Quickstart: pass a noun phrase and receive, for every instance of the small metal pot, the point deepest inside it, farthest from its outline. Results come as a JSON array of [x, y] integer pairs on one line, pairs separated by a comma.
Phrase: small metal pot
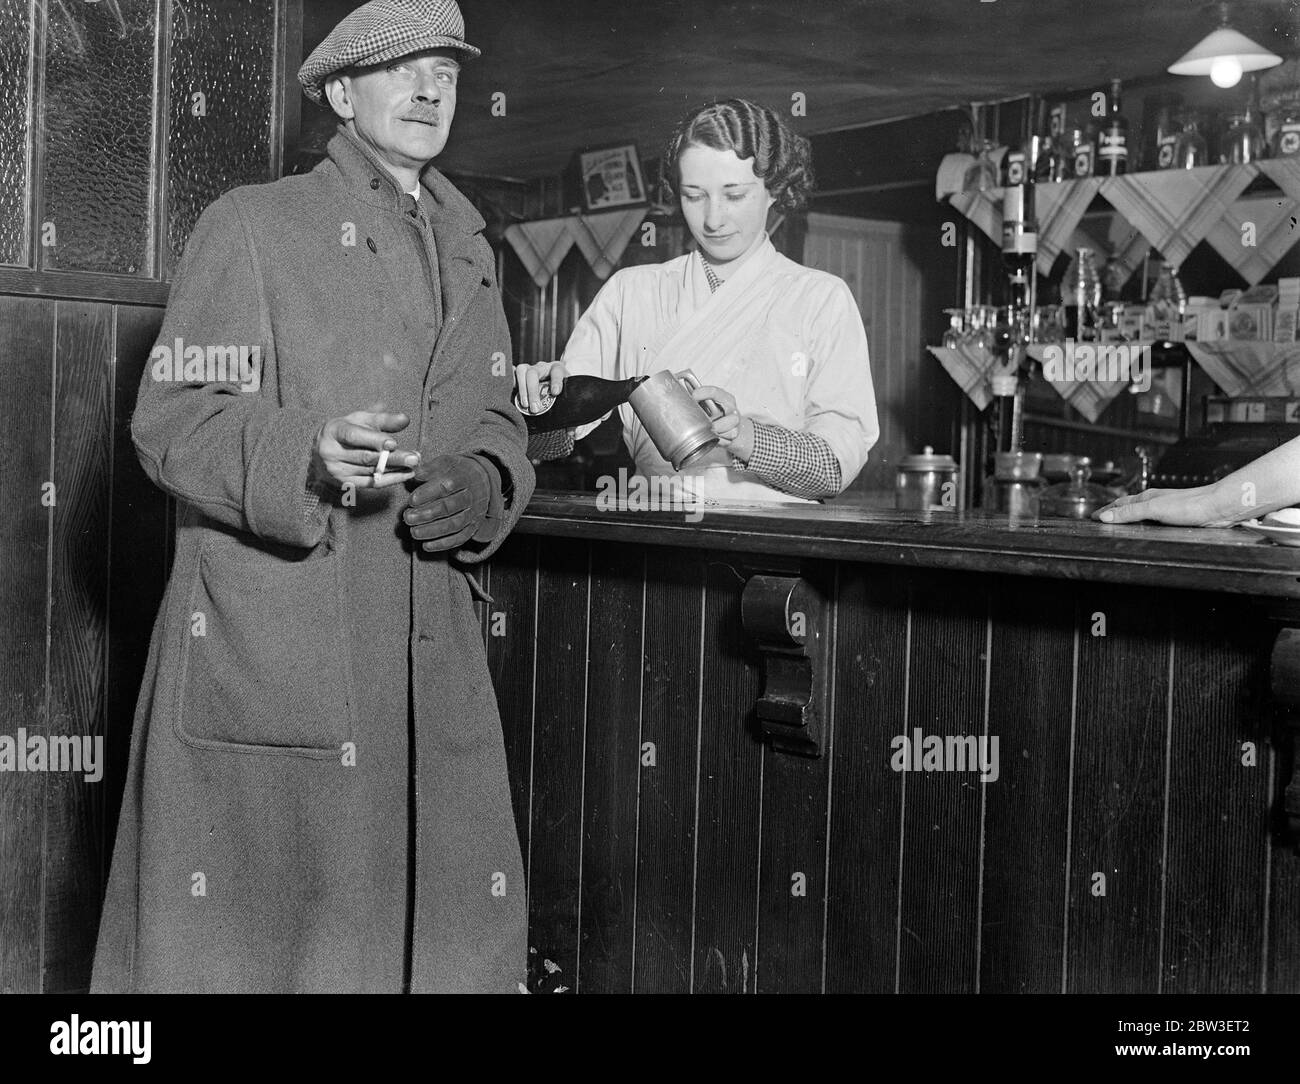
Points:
[[926, 481]]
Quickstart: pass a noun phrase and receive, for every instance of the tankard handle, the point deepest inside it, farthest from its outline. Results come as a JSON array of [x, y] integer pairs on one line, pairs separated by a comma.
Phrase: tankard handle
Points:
[[711, 408]]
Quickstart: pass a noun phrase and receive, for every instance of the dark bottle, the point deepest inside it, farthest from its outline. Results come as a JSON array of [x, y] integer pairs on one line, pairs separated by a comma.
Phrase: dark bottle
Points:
[[583, 400], [1049, 162], [1112, 138]]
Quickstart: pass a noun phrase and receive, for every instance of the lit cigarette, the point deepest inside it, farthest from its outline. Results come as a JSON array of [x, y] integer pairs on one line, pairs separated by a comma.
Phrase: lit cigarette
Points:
[[379, 467]]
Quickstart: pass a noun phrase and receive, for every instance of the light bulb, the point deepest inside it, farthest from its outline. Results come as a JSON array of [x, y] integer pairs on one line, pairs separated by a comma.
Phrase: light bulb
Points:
[[1225, 72]]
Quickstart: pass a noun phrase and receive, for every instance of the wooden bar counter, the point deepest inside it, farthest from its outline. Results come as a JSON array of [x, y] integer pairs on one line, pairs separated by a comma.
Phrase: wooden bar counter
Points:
[[714, 799]]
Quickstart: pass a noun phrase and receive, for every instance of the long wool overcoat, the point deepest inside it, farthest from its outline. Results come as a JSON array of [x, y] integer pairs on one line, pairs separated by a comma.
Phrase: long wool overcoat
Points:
[[317, 796]]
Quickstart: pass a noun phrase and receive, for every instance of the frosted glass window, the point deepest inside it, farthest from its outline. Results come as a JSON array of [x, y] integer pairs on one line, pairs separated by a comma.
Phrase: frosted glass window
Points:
[[99, 124], [222, 95], [15, 128]]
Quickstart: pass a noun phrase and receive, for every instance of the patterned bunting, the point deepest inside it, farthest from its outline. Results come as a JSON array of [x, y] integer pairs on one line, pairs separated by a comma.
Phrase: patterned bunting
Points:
[[1089, 397], [602, 238], [1175, 209], [1060, 208], [1271, 235], [973, 370], [1250, 368], [541, 246]]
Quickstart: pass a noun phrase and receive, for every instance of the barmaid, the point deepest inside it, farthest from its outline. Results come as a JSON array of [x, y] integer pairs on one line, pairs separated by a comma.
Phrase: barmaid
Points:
[[778, 346]]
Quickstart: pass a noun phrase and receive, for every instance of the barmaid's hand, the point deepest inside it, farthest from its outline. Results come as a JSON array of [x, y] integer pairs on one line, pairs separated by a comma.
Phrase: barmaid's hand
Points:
[[528, 381], [734, 431]]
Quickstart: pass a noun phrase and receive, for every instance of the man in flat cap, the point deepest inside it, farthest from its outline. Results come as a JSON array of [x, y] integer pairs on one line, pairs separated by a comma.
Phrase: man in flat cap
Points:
[[317, 798]]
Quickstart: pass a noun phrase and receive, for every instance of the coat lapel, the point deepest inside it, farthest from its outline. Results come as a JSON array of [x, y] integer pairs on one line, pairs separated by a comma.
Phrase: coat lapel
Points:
[[463, 264]]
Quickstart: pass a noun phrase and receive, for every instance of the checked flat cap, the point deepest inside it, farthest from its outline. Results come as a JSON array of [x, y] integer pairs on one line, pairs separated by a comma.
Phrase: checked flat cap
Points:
[[383, 30]]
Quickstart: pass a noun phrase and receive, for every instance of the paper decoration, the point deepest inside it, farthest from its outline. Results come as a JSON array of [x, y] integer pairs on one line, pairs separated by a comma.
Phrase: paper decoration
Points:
[[1249, 368], [543, 244], [1059, 208], [1089, 397], [1175, 209], [972, 368], [602, 238], [1263, 220]]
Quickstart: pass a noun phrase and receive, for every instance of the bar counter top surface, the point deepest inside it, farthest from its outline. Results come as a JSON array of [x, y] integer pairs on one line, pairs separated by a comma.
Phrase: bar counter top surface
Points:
[[1211, 559]]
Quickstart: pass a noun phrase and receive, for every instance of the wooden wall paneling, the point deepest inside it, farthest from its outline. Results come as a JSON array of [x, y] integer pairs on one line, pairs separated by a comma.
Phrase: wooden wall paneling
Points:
[[138, 567], [792, 855], [866, 794], [670, 719], [74, 809], [1216, 867], [555, 840], [939, 905], [612, 757], [26, 398], [511, 642], [726, 899], [1118, 791], [1282, 965], [1026, 821]]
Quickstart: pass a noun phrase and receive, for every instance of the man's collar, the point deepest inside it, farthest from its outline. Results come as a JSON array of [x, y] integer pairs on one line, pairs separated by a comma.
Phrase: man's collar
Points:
[[369, 181]]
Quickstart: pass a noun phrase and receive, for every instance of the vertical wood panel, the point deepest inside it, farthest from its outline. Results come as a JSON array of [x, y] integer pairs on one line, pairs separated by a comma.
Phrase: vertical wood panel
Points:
[[513, 586], [1283, 962], [671, 720], [27, 346], [1217, 860], [1121, 732], [940, 889], [866, 799], [74, 811], [137, 550], [555, 847], [1026, 828], [792, 882], [730, 762], [612, 755]]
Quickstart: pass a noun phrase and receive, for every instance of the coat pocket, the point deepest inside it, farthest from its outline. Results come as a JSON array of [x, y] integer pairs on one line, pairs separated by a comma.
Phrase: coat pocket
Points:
[[266, 665]]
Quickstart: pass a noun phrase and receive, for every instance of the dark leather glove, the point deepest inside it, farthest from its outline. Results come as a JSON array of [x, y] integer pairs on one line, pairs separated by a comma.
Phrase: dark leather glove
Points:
[[451, 505]]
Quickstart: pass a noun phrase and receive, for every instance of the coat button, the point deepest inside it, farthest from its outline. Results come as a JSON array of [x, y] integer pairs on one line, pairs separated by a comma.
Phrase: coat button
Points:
[[413, 213], [374, 184]]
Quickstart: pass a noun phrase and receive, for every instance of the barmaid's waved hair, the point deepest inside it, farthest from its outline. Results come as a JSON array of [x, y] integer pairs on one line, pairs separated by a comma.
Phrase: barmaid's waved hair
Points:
[[782, 158]]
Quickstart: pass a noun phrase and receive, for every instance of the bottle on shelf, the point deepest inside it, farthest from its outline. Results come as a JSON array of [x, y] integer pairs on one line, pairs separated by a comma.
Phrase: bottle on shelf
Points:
[[1166, 131], [1083, 150], [584, 399], [1189, 149], [1286, 138], [1112, 138], [1085, 293], [1050, 163], [1244, 142], [1168, 300]]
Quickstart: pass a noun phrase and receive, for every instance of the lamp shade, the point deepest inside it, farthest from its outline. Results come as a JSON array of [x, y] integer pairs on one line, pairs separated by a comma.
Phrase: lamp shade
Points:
[[1224, 42]]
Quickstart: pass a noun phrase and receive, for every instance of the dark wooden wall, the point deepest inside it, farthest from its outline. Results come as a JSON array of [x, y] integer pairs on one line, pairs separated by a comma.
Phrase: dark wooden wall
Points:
[[80, 583], [1119, 754]]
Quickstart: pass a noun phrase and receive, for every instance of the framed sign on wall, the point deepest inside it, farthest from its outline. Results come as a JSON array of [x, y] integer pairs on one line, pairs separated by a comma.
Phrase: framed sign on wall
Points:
[[610, 177]]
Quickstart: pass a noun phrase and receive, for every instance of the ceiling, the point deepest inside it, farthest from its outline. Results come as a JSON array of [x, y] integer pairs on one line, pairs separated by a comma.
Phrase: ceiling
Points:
[[588, 72]]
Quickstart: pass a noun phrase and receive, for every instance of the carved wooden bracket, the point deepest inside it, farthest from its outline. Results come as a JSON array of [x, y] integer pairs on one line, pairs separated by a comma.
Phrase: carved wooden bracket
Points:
[[783, 615], [1284, 678]]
